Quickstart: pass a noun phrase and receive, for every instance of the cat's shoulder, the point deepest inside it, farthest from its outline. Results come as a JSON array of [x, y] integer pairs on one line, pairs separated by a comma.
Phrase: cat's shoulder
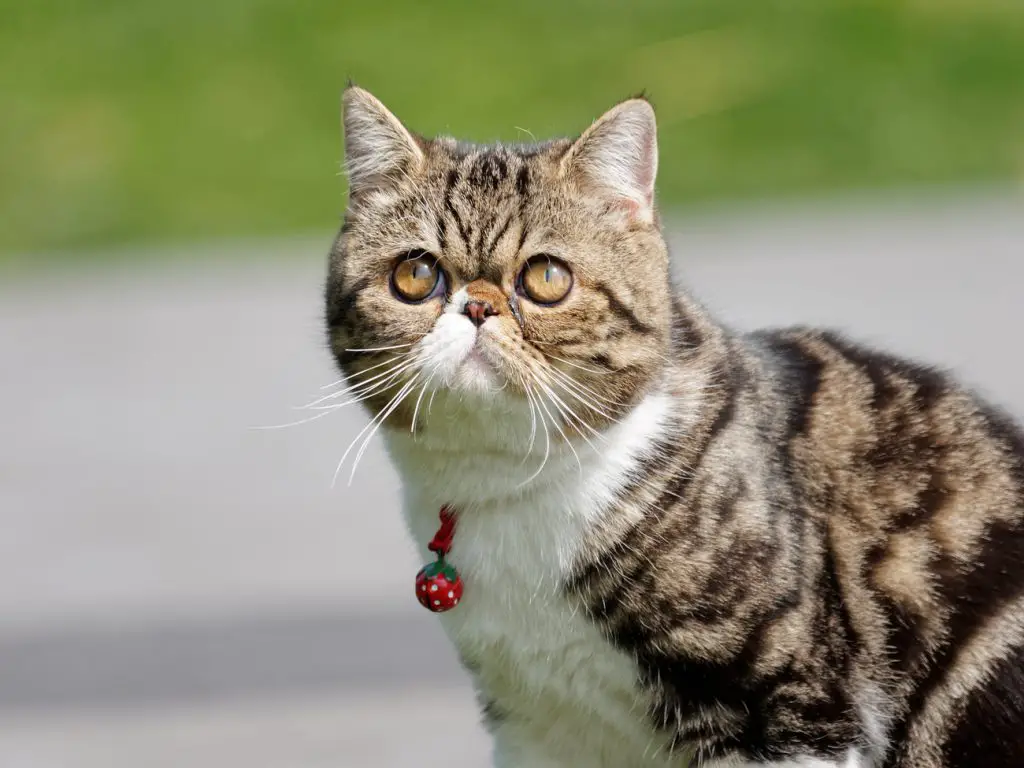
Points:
[[816, 360], [800, 345]]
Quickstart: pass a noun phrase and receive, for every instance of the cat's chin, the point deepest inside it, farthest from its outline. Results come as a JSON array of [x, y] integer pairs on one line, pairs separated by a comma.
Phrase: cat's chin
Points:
[[476, 376]]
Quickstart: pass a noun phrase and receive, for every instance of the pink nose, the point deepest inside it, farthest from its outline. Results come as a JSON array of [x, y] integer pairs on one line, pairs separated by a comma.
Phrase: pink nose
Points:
[[478, 311]]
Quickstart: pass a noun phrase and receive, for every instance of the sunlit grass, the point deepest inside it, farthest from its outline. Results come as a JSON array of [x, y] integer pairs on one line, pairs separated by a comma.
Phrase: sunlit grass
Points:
[[125, 121]]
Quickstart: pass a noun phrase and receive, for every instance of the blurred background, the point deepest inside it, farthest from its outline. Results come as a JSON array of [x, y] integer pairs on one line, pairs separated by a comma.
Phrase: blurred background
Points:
[[179, 588]]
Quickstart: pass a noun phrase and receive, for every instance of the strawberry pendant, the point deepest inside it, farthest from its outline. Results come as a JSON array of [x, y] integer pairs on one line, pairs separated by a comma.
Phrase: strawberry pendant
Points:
[[438, 584]]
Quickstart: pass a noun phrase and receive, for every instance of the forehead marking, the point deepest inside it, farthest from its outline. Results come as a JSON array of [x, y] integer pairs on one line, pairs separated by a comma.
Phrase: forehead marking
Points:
[[489, 252], [449, 206], [495, 184], [523, 180], [489, 170]]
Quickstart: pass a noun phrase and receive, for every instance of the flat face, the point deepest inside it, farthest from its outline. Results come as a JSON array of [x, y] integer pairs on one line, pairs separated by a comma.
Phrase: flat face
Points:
[[487, 270]]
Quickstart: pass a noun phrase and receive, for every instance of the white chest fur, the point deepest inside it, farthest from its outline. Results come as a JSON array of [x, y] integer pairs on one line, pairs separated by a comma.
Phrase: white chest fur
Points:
[[539, 659]]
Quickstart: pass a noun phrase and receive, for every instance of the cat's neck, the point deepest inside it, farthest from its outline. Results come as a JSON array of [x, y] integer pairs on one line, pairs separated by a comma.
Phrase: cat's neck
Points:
[[480, 454]]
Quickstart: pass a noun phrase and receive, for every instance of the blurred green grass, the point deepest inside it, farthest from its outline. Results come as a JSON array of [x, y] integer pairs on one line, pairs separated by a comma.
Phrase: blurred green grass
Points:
[[127, 121]]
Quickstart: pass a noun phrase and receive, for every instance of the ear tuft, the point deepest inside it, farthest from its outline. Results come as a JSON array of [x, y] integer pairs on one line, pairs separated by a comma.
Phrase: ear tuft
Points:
[[617, 157], [377, 145]]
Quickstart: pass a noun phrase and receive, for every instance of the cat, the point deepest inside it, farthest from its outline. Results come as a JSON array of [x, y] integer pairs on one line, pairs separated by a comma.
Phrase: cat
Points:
[[680, 544]]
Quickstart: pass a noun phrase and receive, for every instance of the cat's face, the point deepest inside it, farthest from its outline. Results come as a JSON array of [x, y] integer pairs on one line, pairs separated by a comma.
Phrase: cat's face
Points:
[[534, 274]]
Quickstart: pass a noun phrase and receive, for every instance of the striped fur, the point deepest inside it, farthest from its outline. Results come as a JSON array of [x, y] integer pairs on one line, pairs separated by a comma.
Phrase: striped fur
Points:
[[779, 548]]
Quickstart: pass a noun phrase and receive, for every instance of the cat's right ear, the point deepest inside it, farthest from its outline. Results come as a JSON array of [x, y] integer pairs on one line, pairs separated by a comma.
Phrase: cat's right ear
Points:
[[378, 148], [617, 158]]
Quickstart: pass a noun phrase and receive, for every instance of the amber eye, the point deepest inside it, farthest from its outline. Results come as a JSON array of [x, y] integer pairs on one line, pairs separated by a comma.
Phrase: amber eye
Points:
[[416, 277], [545, 280]]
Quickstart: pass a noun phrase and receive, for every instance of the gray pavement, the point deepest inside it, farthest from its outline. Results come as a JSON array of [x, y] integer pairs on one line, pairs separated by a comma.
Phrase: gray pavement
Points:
[[179, 589]]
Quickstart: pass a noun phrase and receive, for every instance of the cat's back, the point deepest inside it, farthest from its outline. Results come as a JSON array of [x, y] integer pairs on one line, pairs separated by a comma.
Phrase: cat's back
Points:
[[904, 443], [918, 486]]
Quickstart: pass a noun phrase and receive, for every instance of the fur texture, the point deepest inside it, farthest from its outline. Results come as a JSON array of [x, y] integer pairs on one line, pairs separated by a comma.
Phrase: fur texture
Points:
[[680, 544]]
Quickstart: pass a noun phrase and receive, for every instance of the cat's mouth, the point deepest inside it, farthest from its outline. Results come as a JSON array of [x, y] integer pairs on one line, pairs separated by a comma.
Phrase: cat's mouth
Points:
[[476, 356], [462, 358], [477, 372]]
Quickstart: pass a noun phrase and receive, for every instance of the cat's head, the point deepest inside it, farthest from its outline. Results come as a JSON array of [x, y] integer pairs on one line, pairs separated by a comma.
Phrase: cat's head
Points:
[[503, 273]]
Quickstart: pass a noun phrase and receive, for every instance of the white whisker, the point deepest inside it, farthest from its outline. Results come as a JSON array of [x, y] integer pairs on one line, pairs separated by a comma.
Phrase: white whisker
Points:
[[292, 423], [384, 386], [352, 383], [383, 349], [581, 393], [370, 385], [363, 431], [547, 448], [392, 359], [571, 416], [430, 403], [565, 389], [547, 390], [363, 371], [380, 421], [533, 423], [594, 371], [416, 410]]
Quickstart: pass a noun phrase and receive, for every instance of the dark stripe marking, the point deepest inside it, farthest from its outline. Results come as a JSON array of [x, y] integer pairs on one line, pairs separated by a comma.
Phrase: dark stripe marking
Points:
[[449, 206], [489, 251], [801, 371], [978, 597], [620, 309], [523, 181], [988, 732], [342, 301]]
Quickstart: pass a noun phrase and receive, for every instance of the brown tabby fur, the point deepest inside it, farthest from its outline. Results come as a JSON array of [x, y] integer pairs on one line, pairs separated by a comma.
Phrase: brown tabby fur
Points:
[[830, 550]]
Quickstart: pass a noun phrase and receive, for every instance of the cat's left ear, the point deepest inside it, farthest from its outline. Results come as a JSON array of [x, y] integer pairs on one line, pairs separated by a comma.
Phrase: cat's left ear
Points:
[[377, 145], [617, 157]]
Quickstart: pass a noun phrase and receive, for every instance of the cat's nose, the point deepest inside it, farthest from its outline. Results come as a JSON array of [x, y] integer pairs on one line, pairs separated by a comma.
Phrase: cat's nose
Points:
[[478, 311]]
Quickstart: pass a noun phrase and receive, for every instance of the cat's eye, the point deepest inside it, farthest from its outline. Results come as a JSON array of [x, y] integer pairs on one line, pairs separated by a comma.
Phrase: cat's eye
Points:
[[417, 277], [545, 280]]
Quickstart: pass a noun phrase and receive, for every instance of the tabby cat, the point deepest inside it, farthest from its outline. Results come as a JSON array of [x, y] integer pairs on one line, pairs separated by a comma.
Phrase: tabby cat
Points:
[[680, 544]]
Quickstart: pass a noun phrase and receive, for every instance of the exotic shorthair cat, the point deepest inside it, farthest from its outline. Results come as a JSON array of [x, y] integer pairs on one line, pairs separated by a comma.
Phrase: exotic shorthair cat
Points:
[[680, 545]]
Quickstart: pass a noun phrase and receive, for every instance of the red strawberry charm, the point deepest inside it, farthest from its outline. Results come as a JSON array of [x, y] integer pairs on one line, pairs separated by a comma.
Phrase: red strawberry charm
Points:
[[438, 584]]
